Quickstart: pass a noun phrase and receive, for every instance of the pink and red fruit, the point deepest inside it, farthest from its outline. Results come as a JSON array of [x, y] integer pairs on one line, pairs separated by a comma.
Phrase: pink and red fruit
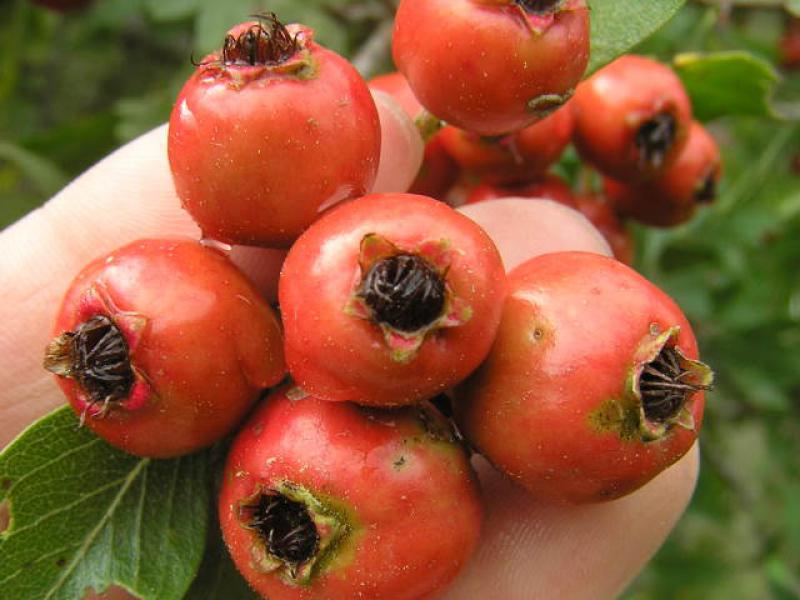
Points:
[[389, 300], [270, 132], [332, 500], [516, 158], [632, 118], [674, 196], [593, 385], [492, 66], [163, 346]]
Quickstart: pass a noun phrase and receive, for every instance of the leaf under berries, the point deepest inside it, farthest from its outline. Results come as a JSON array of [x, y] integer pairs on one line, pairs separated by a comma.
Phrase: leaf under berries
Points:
[[86, 515]]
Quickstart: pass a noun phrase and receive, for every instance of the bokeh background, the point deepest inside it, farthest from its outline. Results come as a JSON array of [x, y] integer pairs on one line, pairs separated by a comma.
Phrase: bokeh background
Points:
[[76, 85]]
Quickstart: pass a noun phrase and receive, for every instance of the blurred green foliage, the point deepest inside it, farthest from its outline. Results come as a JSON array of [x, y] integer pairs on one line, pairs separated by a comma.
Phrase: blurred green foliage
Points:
[[73, 87]]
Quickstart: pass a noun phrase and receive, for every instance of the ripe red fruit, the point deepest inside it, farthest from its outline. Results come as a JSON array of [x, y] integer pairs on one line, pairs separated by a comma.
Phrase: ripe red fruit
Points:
[[518, 157], [163, 345], [674, 196], [602, 215], [438, 171], [389, 300], [268, 133], [331, 500], [492, 66], [593, 385], [632, 118], [551, 187]]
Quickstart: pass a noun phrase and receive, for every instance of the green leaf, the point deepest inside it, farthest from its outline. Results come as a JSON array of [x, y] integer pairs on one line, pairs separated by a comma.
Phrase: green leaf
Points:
[[728, 83], [84, 514], [619, 25]]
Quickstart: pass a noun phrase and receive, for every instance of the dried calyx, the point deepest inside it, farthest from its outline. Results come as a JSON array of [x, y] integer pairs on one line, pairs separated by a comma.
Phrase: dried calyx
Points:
[[707, 190], [96, 355], [404, 292], [286, 528], [665, 385], [267, 42], [295, 532], [654, 139]]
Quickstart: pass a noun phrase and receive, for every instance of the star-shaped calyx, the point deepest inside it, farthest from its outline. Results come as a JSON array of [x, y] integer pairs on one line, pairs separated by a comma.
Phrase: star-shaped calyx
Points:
[[406, 292]]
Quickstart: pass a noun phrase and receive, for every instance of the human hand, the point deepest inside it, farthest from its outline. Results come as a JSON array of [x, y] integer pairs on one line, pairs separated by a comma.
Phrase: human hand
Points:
[[528, 550]]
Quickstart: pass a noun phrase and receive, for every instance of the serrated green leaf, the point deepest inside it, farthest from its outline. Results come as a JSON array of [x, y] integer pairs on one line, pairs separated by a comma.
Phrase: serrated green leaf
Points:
[[84, 514], [619, 25], [727, 83]]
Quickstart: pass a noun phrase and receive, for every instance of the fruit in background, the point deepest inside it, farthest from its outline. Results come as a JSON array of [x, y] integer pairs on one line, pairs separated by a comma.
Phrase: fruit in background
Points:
[[163, 346], [438, 171], [789, 45], [573, 406], [270, 132], [514, 158], [389, 300], [602, 215], [674, 196], [632, 118], [492, 66], [551, 187], [332, 500], [523, 228]]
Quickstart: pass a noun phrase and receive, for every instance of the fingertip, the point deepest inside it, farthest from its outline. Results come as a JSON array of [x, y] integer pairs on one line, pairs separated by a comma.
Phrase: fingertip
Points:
[[401, 146], [533, 550]]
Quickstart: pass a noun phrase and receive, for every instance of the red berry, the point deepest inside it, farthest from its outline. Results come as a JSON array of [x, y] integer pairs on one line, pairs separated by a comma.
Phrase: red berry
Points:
[[632, 118], [270, 132], [492, 66], [163, 345], [593, 385], [551, 187], [331, 500], [674, 196], [389, 300], [519, 157], [603, 216]]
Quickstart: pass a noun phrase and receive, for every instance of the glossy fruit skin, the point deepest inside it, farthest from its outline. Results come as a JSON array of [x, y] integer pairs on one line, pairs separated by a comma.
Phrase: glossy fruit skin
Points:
[[337, 355], [572, 324], [551, 187], [438, 171], [627, 93], [520, 157], [259, 152], [203, 344], [603, 216], [674, 196], [487, 66], [407, 493]]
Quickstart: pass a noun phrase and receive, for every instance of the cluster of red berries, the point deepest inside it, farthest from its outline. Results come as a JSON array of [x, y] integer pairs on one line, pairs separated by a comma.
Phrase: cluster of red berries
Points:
[[572, 374]]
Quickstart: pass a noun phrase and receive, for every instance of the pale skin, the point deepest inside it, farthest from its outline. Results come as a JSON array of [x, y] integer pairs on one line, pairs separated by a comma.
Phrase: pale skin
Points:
[[528, 550]]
